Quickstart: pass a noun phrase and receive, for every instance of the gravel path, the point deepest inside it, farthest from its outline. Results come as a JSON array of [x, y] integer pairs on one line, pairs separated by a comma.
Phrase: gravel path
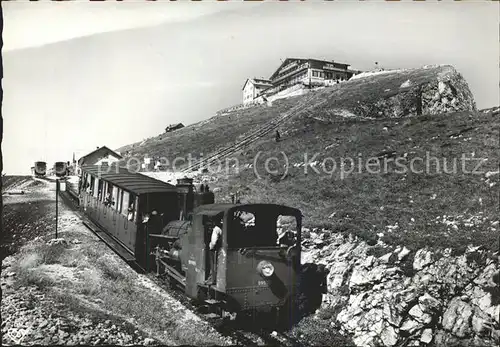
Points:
[[75, 290]]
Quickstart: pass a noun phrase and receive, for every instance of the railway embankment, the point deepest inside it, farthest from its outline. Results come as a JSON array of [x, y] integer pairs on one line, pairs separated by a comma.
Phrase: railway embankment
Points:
[[75, 290]]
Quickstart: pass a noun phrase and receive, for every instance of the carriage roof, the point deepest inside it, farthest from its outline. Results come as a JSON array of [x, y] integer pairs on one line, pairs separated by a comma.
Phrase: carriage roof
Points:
[[129, 180]]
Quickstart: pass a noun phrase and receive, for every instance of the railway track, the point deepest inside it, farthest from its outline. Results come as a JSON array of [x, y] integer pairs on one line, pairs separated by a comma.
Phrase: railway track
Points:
[[253, 135], [231, 329]]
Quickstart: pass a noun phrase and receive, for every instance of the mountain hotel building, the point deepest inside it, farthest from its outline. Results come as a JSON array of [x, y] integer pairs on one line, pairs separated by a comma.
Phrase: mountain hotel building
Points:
[[309, 72]]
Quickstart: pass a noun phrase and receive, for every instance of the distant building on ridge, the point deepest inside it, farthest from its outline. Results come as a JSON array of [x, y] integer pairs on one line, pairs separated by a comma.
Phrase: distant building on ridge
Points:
[[253, 87], [173, 127]]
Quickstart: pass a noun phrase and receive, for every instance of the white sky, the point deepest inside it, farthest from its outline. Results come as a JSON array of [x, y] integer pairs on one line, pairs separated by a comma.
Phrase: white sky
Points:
[[29, 24], [149, 64]]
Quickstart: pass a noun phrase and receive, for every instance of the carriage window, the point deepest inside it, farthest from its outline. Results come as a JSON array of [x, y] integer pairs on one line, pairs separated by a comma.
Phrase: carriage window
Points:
[[103, 191], [100, 187], [119, 194], [96, 187], [87, 182], [125, 203], [114, 197], [109, 198], [92, 183], [83, 181], [133, 205]]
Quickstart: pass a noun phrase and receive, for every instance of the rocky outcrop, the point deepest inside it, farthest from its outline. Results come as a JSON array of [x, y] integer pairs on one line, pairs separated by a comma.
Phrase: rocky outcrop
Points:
[[411, 298], [425, 91]]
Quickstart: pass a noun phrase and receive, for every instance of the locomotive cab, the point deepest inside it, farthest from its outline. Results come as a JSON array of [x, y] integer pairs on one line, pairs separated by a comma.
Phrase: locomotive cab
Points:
[[258, 259]]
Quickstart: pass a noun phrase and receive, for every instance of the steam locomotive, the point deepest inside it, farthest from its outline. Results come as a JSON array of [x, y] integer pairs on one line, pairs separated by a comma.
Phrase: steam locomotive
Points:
[[166, 228]]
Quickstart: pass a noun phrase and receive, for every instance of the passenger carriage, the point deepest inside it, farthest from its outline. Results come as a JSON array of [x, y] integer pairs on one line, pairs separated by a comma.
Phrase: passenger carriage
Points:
[[118, 200]]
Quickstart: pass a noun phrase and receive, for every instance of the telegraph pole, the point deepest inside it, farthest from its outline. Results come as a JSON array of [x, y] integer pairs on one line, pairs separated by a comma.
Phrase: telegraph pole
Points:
[[57, 205]]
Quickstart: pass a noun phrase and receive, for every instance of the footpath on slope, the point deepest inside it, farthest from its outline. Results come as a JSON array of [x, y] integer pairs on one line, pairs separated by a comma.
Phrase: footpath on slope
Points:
[[75, 290], [254, 135]]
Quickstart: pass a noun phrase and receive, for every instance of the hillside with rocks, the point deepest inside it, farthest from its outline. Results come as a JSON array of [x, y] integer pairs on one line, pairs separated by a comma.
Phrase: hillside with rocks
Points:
[[412, 254], [392, 296]]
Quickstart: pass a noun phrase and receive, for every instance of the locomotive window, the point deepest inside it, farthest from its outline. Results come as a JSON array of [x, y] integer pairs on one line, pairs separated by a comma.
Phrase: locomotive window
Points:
[[261, 228], [286, 228], [245, 231]]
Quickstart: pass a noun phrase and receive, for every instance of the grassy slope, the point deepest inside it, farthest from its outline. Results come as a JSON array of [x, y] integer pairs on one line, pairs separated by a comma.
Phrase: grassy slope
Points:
[[359, 96], [207, 136], [364, 203]]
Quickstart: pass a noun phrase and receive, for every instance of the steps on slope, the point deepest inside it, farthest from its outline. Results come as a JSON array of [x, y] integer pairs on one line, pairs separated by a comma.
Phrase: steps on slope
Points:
[[253, 135]]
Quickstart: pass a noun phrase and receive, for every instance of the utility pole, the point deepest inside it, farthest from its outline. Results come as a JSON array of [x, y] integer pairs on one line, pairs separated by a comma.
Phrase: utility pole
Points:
[[57, 205]]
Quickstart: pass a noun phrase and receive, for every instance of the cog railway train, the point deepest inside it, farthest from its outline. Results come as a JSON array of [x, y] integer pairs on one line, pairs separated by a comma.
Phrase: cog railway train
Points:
[[167, 229], [60, 169], [40, 168]]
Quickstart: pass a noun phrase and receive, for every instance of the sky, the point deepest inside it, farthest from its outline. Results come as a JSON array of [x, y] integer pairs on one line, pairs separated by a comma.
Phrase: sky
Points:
[[78, 75]]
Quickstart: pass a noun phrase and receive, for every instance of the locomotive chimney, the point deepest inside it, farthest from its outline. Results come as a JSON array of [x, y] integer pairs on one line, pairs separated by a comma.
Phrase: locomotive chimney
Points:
[[186, 195]]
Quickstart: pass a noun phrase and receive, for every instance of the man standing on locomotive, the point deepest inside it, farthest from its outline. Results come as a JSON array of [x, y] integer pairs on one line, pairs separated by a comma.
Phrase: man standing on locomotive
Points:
[[214, 245]]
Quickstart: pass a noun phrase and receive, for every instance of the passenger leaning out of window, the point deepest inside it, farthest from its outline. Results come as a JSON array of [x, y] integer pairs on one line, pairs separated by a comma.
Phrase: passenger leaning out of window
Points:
[[130, 216], [108, 201]]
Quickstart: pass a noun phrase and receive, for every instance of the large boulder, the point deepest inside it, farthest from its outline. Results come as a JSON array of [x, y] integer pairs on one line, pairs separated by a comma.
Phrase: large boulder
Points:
[[405, 93]]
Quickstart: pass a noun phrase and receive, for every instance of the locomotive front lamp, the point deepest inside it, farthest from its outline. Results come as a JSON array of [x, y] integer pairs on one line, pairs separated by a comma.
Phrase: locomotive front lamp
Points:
[[265, 268]]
